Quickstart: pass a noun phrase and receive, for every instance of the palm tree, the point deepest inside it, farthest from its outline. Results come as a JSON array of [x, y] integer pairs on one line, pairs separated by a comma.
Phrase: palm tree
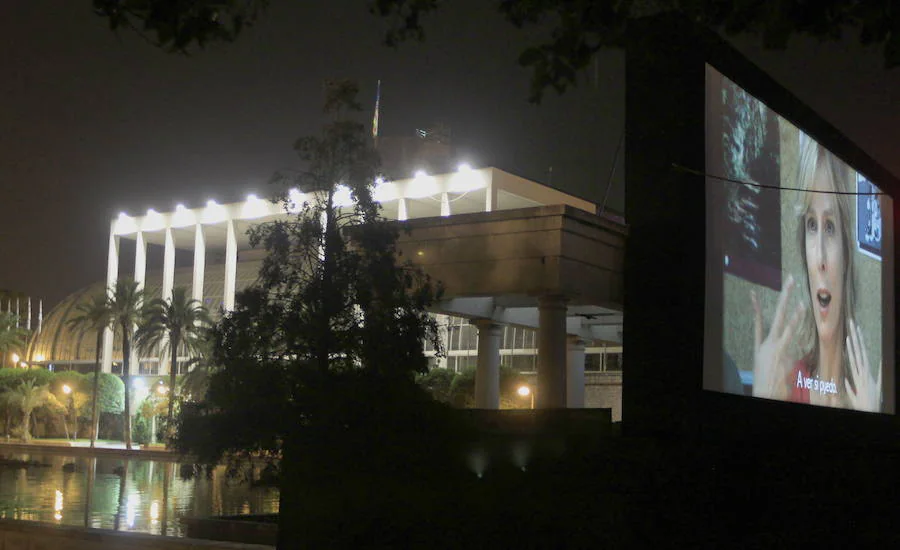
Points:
[[195, 383], [9, 402], [177, 322], [12, 337], [97, 316], [29, 398], [125, 301]]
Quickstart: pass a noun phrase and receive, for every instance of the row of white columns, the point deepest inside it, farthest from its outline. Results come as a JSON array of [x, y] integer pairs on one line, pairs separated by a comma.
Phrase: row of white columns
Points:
[[560, 378], [490, 204], [168, 281]]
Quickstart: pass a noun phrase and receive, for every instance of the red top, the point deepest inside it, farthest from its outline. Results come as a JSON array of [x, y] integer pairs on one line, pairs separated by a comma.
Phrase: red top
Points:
[[799, 394]]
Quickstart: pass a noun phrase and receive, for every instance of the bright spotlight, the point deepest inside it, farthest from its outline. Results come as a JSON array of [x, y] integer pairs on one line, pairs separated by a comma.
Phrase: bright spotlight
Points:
[[464, 167]]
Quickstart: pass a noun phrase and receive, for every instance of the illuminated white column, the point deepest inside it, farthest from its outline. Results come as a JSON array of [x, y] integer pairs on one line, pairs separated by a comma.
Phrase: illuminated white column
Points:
[[168, 284], [230, 265], [140, 260], [112, 274], [442, 329], [490, 201], [551, 364], [575, 373], [487, 371], [28, 324], [199, 263], [401, 210], [168, 281], [140, 276], [445, 204]]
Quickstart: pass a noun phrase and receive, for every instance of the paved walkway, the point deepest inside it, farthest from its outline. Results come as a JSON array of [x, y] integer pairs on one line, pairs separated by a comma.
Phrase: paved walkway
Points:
[[82, 448]]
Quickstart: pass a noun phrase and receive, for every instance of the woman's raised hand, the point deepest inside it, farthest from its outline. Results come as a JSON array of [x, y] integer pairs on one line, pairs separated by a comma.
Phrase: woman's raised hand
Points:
[[868, 388], [771, 363]]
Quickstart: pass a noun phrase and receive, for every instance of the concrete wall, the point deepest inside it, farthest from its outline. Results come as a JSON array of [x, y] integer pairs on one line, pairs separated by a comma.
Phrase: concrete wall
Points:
[[603, 390], [527, 252], [29, 535]]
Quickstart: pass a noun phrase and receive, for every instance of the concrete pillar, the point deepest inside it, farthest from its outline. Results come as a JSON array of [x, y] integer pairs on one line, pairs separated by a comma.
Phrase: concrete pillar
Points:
[[402, 214], [199, 263], [551, 376], [112, 274], [168, 283], [140, 276], [575, 373], [445, 204], [490, 201], [230, 265], [487, 373], [442, 321]]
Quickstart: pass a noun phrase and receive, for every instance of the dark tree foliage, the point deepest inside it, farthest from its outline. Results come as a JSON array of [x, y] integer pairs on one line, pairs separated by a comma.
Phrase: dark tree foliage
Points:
[[578, 28], [333, 309], [179, 25]]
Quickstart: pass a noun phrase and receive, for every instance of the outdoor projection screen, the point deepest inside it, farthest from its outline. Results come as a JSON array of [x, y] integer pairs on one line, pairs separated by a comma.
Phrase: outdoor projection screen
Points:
[[799, 263]]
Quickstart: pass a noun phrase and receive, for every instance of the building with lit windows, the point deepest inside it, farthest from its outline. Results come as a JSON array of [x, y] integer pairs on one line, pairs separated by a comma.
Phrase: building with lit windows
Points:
[[532, 277]]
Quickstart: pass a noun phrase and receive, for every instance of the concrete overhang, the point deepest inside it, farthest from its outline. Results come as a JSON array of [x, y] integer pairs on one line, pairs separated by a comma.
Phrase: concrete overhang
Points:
[[496, 265]]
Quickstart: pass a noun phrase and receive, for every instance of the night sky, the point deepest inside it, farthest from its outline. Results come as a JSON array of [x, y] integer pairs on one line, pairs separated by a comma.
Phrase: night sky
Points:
[[93, 123]]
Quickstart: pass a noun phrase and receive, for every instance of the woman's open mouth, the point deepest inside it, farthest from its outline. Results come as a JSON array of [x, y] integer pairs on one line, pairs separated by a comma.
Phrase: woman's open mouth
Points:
[[824, 298]]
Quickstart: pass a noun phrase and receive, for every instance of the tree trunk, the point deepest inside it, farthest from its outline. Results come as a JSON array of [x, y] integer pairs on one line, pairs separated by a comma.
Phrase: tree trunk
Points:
[[173, 367], [95, 413], [26, 431], [126, 376]]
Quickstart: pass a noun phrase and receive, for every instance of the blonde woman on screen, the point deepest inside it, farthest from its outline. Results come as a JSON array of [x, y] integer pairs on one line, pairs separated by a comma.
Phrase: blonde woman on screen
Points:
[[834, 368]]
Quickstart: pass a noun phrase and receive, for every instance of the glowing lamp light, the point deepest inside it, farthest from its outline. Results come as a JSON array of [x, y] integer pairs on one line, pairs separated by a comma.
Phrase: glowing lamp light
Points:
[[384, 191], [131, 506], [15, 357], [154, 511], [254, 207], [67, 389], [124, 224], [342, 196], [39, 357], [153, 221], [524, 391], [465, 179], [162, 389], [183, 217], [57, 505], [294, 201], [421, 186], [214, 212]]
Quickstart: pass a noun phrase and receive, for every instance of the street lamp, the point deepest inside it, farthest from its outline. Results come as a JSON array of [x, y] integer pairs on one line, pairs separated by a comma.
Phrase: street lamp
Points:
[[525, 391]]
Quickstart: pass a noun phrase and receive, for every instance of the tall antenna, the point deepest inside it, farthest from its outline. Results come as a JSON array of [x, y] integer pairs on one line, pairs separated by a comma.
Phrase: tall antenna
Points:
[[375, 118]]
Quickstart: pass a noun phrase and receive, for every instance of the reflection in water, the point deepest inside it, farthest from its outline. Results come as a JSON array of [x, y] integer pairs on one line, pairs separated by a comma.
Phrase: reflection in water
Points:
[[132, 495]]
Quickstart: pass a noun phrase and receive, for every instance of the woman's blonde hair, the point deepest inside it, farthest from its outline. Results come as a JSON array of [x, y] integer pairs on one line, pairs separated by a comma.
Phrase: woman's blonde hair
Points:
[[812, 157]]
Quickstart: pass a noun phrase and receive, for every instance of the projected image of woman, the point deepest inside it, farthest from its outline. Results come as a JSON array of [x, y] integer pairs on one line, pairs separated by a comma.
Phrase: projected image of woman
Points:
[[834, 368]]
